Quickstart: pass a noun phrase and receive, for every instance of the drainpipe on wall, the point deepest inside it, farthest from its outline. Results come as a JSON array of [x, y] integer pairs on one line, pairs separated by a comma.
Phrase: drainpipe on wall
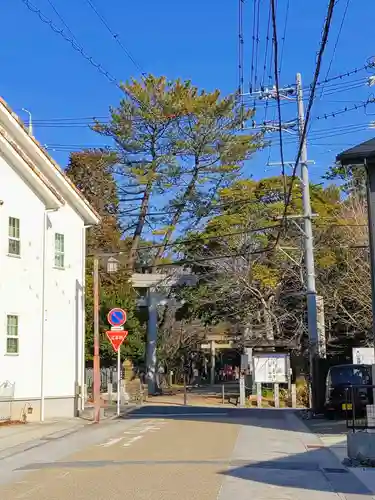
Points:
[[44, 317]]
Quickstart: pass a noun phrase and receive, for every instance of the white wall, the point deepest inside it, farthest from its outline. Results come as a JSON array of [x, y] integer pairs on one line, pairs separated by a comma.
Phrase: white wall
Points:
[[20, 282], [21, 293], [63, 304]]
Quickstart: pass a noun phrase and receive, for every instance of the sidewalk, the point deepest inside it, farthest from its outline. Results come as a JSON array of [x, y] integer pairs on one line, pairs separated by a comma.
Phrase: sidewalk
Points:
[[337, 445], [19, 438], [277, 457]]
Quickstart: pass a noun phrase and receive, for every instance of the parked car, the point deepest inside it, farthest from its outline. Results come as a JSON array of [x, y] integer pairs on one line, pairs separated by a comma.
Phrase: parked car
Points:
[[339, 394]]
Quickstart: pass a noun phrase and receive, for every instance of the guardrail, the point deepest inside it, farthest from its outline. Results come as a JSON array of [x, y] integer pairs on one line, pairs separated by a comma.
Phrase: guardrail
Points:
[[359, 407]]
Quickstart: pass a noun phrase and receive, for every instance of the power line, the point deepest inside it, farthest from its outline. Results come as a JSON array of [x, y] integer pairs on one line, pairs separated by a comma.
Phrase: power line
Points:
[[78, 48], [335, 46], [327, 132], [63, 21], [257, 45], [276, 74], [251, 87], [72, 41], [240, 52], [115, 36], [368, 65], [284, 35], [323, 44], [333, 114], [266, 46], [208, 238]]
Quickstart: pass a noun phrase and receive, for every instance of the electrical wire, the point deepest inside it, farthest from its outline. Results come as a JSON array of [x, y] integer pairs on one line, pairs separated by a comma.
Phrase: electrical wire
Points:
[[276, 75], [323, 44], [368, 65], [284, 36], [266, 46], [62, 21], [251, 85], [72, 41], [178, 243], [79, 48], [257, 46], [115, 36], [335, 47], [331, 131], [241, 58], [333, 114]]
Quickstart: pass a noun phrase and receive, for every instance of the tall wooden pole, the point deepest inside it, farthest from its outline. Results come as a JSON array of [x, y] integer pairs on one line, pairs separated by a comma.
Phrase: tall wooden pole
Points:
[[96, 342]]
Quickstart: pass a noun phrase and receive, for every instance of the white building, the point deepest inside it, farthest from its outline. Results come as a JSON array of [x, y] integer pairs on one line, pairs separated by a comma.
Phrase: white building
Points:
[[42, 268]]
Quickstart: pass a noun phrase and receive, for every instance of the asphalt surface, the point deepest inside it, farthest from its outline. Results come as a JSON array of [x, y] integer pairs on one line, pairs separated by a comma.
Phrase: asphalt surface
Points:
[[169, 452], [322, 426]]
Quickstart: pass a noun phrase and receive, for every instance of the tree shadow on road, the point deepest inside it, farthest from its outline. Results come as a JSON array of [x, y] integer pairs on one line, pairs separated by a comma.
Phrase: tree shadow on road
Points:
[[316, 469]]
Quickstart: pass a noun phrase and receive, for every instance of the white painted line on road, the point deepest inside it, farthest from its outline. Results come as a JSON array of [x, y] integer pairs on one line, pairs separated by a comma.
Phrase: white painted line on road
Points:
[[63, 474], [135, 438], [111, 442]]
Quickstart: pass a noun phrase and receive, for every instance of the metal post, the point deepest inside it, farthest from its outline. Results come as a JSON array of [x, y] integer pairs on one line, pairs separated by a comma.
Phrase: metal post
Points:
[[222, 394], [309, 245], [259, 394], [213, 360], [110, 393], [185, 390], [118, 381], [152, 333], [276, 393], [242, 390], [96, 381]]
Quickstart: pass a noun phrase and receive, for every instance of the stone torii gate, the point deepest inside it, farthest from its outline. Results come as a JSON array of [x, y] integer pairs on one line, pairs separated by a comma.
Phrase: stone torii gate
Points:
[[146, 285]]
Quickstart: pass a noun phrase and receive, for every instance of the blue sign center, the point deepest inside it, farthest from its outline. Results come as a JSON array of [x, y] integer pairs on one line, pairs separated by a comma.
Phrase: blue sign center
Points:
[[117, 317]]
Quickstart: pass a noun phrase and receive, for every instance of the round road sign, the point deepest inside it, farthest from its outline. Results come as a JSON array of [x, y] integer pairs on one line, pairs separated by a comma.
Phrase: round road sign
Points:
[[116, 317]]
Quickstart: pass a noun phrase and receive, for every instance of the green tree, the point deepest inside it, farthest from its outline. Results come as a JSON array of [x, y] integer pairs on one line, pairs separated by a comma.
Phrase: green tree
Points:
[[91, 171], [176, 146], [246, 279]]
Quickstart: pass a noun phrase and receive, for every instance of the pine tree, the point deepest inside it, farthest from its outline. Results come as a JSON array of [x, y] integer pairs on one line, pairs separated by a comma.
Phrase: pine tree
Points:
[[176, 146]]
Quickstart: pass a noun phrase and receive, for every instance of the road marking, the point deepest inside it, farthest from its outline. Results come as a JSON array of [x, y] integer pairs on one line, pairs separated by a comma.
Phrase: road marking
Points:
[[64, 474], [111, 442], [136, 432], [135, 438], [143, 431]]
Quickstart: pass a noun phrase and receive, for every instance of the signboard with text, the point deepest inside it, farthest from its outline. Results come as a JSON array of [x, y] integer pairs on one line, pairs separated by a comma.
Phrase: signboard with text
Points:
[[116, 338]]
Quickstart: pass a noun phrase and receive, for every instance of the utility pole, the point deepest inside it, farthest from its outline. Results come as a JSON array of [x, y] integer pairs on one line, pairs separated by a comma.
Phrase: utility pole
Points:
[[96, 382], [312, 318]]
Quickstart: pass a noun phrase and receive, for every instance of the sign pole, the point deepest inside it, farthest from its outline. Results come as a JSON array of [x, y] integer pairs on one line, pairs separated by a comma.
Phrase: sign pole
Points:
[[118, 381], [96, 343], [116, 335]]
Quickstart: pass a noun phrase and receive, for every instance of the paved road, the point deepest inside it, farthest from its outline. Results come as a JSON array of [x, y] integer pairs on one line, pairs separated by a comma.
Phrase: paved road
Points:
[[164, 453]]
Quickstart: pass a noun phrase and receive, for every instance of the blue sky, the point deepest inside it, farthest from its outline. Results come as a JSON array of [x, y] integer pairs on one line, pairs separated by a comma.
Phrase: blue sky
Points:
[[194, 40]]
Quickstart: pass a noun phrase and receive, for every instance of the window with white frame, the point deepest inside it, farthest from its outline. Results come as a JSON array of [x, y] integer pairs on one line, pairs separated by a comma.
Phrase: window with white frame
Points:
[[12, 346], [59, 251], [14, 241]]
